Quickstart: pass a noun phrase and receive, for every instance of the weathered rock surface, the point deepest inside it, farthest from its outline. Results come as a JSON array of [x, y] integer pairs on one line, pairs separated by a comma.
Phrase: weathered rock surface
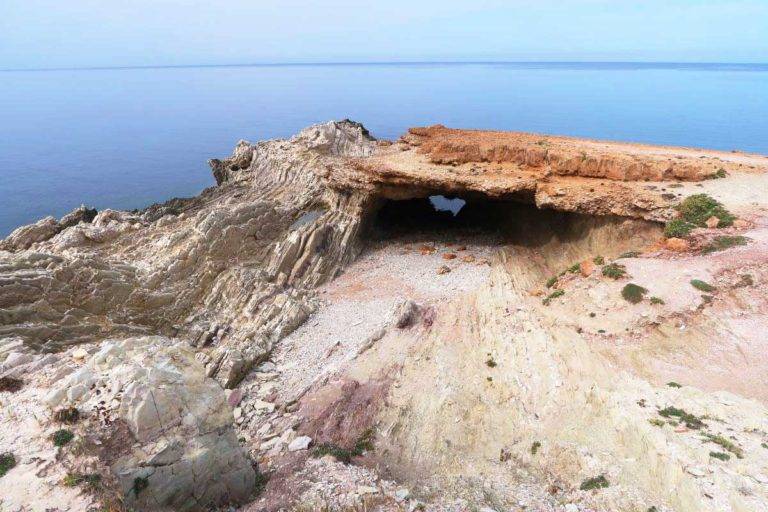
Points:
[[182, 446], [454, 383]]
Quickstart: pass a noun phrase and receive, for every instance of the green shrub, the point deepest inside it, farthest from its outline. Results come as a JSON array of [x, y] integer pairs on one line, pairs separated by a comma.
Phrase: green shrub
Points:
[[597, 482], [656, 300], [725, 443], [614, 271], [633, 293], [598, 260], [656, 422], [7, 462], [701, 285], [720, 243], [697, 208], [718, 174], [555, 294], [363, 444], [689, 419], [674, 385], [720, 455], [261, 482], [89, 480], [574, 269], [490, 363], [62, 437], [630, 254], [551, 281], [678, 228], [139, 484], [535, 447]]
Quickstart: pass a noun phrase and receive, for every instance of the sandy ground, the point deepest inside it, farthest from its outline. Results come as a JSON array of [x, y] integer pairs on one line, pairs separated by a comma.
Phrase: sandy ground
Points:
[[360, 302]]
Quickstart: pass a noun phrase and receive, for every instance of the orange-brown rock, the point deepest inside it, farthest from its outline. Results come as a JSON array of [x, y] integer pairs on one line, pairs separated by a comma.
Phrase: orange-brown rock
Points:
[[712, 222], [449, 256], [677, 244], [586, 268]]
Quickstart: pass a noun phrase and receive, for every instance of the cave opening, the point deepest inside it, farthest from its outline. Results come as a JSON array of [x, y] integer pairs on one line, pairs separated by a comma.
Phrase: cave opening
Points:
[[444, 216], [514, 223]]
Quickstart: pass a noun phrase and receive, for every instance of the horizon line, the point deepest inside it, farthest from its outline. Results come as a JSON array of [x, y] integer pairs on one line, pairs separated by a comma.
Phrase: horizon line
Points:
[[386, 63]]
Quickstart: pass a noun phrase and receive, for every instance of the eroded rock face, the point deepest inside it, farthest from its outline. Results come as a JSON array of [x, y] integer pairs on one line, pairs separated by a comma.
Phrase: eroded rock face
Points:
[[183, 452], [236, 269]]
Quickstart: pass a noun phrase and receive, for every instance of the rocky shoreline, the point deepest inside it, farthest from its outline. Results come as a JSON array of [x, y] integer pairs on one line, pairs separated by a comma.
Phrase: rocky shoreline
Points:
[[279, 343]]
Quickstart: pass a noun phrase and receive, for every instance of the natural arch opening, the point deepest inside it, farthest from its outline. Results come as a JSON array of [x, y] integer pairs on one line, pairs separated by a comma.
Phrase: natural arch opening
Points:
[[541, 240]]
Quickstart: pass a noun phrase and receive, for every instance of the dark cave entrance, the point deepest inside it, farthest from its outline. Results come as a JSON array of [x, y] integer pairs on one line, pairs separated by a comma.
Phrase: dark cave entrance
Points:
[[444, 216]]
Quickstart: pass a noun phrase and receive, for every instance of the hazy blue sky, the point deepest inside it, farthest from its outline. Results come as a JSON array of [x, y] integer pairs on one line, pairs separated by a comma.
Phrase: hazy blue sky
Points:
[[55, 33]]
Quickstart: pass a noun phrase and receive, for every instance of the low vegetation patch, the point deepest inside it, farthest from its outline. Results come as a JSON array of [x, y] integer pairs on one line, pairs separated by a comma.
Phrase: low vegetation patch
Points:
[[725, 444], [551, 281], [535, 447], [574, 269], [690, 420], [597, 482], [721, 243], [614, 271], [490, 362], [745, 280], [720, 455], [10, 385], [67, 415], [718, 174], [599, 260], [703, 286], [90, 481], [62, 437], [694, 212], [139, 484], [678, 228], [630, 254], [7, 462], [261, 482], [657, 300], [362, 445], [674, 385], [656, 422], [633, 293], [555, 294]]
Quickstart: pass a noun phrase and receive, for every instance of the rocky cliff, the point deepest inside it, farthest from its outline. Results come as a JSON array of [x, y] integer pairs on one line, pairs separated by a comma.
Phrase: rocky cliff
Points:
[[313, 302]]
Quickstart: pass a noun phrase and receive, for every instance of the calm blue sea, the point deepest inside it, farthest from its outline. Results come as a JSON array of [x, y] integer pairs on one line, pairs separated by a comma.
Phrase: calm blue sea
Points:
[[125, 138]]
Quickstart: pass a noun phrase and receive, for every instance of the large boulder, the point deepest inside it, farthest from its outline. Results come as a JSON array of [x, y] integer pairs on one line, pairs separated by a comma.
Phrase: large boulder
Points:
[[184, 454]]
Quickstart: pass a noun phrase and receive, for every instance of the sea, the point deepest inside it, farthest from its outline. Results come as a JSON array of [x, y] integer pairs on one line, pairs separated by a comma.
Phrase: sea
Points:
[[128, 137]]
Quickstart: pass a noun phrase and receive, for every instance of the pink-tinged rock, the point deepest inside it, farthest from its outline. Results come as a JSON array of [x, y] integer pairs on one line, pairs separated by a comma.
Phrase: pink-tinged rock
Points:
[[234, 397], [712, 222], [741, 224]]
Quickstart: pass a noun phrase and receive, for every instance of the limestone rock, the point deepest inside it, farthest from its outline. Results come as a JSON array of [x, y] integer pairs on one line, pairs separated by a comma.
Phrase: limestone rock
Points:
[[300, 443], [187, 449], [26, 236]]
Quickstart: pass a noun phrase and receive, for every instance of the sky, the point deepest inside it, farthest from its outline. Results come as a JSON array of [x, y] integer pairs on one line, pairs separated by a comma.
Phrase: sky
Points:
[[93, 33]]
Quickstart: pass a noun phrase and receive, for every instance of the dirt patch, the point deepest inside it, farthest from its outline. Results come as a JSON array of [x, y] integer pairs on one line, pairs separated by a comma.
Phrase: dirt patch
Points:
[[342, 411]]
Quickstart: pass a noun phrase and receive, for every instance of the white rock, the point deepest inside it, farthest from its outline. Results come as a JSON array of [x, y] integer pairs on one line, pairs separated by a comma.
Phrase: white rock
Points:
[[570, 507], [365, 489], [300, 443], [402, 494], [79, 354]]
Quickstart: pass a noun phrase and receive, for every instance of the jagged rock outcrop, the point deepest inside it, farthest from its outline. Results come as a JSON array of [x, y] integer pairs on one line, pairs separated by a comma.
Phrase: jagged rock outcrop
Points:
[[236, 270], [182, 449]]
